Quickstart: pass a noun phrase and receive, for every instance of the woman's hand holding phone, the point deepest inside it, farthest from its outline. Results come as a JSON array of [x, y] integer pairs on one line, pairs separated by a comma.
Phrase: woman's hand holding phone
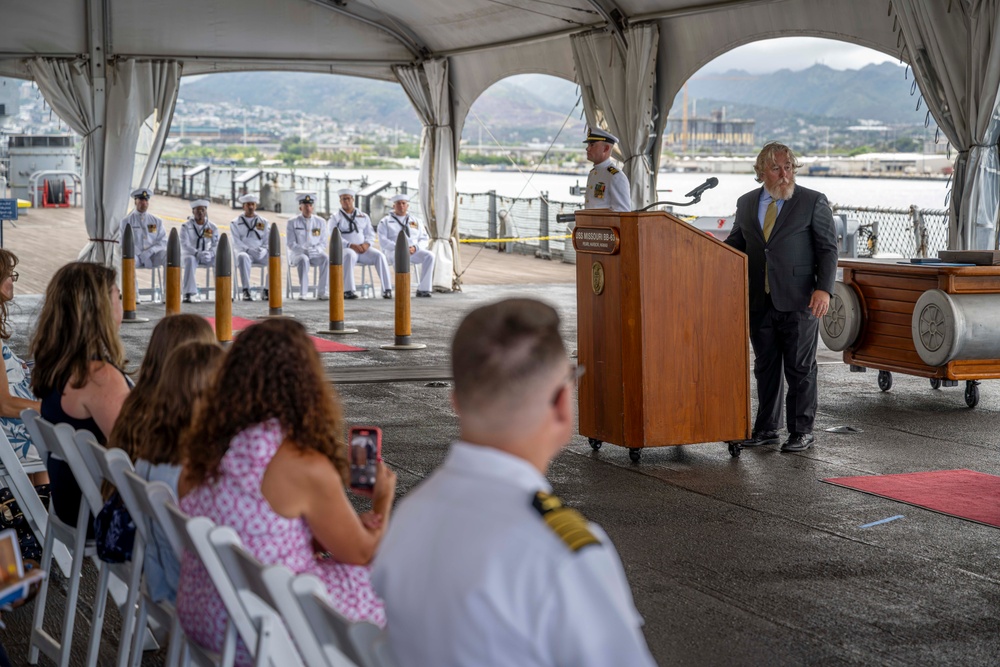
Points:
[[384, 491]]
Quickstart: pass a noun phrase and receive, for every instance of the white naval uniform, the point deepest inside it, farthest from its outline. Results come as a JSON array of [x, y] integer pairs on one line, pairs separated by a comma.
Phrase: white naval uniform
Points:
[[149, 238], [607, 187], [308, 242], [472, 575], [388, 230], [250, 241], [357, 229], [198, 246]]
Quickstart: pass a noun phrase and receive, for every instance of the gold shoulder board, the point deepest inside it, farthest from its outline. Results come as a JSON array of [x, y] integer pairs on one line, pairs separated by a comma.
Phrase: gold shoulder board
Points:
[[612, 170], [568, 524]]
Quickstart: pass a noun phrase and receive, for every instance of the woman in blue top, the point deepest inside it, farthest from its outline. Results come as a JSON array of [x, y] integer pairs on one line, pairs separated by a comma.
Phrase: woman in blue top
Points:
[[15, 384]]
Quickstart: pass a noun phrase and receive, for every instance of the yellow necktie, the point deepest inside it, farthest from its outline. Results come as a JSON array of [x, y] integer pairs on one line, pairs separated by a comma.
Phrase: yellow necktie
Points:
[[769, 217]]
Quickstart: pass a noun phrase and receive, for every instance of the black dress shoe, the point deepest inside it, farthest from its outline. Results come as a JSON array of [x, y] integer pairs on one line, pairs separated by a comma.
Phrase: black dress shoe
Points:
[[760, 438], [798, 442], [426, 294], [264, 294], [246, 295], [350, 295], [187, 298], [387, 294]]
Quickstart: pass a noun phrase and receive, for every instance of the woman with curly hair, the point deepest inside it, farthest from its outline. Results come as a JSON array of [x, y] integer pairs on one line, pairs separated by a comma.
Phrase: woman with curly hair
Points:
[[170, 333], [15, 384], [187, 374], [266, 456], [78, 364]]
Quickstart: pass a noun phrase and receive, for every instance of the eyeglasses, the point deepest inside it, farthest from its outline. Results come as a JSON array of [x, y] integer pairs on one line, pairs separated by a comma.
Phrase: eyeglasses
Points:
[[575, 372], [13, 276]]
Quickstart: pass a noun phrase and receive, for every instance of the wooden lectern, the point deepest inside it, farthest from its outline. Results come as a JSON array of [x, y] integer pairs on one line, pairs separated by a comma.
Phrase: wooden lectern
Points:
[[662, 327]]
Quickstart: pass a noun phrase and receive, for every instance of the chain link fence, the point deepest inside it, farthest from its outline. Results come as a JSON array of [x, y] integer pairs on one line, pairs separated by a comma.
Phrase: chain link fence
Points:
[[512, 224]]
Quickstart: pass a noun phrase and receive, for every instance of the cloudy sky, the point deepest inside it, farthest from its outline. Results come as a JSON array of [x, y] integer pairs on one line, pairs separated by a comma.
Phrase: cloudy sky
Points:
[[796, 53]]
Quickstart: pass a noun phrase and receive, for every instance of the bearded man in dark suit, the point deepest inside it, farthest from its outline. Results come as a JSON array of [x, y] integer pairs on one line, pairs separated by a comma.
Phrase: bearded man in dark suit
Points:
[[788, 235]]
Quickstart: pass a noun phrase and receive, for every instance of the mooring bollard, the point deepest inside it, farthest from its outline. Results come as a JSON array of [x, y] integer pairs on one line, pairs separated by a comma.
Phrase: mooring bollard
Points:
[[274, 271], [173, 297], [128, 279], [337, 286], [223, 288], [402, 268]]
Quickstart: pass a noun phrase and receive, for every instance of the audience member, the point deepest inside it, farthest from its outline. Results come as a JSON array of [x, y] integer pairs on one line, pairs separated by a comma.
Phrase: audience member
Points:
[[267, 457], [78, 364], [15, 384], [483, 565], [189, 372]]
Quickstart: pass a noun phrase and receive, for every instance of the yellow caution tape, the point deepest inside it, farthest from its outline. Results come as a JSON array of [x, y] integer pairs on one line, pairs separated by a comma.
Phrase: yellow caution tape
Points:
[[521, 238]]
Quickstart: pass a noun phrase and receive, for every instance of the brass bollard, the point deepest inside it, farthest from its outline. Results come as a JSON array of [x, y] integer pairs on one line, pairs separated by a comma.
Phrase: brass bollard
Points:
[[274, 271], [128, 279], [337, 286], [402, 268], [223, 288], [173, 289]]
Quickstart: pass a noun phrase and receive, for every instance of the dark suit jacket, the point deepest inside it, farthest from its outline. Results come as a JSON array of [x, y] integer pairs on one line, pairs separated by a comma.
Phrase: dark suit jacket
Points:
[[801, 254]]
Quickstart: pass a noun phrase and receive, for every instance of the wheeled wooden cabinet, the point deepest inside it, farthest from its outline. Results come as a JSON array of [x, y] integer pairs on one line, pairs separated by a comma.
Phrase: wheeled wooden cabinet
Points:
[[662, 326]]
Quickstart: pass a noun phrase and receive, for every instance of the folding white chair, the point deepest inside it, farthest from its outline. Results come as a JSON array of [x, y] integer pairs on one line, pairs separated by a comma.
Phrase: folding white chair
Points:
[[155, 292], [14, 475], [367, 285], [273, 644], [130, 571], [360, 641], [60, 442], [291, 270], [193, 532], [182, 650]]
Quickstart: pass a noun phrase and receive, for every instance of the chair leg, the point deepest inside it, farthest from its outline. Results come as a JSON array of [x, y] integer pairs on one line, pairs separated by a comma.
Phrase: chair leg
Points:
[[97, 622], [43, 593]]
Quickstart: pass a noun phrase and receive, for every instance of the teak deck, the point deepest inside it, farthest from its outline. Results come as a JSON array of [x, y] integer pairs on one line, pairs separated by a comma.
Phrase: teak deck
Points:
[[888, 292]]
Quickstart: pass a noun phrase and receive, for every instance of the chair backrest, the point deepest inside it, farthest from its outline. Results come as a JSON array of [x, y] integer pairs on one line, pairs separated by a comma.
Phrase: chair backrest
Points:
[[28, 416], [22, 489], [194, 532], [158, 496], [114, 463], [356, 640], [61, 442], [244, 573]]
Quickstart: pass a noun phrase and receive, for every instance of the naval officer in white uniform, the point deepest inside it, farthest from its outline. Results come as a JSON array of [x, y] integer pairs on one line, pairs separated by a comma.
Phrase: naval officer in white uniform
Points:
[[199, 240], [358, 237], [607, 185], [251, 234], [308, 241], [147, 232], [388, 231], [481, 564]]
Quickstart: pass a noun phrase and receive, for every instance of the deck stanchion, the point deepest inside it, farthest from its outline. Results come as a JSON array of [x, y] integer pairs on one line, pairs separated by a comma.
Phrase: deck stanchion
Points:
[[402, 268], [223, 288], [128, 279], [274, 271], [337, 286], [173, 288]]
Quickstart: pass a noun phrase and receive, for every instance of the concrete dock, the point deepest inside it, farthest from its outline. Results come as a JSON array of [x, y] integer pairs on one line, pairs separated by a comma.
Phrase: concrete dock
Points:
[[732, 561]]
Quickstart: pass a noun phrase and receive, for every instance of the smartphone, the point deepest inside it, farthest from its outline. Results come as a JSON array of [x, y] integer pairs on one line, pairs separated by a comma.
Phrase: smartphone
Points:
[[365, 443]]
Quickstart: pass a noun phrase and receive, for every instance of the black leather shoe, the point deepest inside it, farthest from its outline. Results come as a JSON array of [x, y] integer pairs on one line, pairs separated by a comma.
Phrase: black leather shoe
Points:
[[798, 442], [350, 295], [246, 295], [387, 294], [265, 294], [187, 298], [426, 294], [760, 438]]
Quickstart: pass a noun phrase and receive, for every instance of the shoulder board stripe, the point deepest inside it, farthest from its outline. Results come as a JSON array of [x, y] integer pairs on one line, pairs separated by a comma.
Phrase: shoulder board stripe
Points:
[[571, 527], [612, 169]]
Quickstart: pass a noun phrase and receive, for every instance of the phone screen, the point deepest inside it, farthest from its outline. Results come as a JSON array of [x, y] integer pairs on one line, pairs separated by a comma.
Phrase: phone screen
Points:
[[364, 458]]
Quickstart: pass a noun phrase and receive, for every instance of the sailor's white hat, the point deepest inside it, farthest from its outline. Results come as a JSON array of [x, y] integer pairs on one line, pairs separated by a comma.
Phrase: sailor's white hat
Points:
[[347, 191], [402, 196], [306, 198], [597, 134], [142, 193], [199, 202], [249, 199]]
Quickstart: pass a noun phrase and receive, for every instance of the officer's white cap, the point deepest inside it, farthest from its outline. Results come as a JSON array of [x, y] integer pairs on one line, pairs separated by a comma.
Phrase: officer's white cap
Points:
[[249, 199], [400, 197], [142, 193], [199, 202], [306, 198], [597, 134], [347, 191]]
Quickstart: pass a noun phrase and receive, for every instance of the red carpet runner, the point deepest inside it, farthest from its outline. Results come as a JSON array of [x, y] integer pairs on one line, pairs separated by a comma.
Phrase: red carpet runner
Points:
[[321, 344], [966, 494]]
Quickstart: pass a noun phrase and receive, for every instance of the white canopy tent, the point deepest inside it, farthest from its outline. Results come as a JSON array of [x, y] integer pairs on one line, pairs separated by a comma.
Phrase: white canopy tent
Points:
[[639, 50]]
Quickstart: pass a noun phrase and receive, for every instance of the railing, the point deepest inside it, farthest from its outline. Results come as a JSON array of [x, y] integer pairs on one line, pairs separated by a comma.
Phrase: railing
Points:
[[489, 218]]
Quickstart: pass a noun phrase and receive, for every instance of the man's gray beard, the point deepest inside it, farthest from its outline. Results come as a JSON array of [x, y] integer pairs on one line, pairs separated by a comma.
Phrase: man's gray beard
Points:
[[783, 191]]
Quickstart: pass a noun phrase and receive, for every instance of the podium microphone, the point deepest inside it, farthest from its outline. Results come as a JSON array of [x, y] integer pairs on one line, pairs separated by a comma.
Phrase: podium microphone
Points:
[[707, 185]]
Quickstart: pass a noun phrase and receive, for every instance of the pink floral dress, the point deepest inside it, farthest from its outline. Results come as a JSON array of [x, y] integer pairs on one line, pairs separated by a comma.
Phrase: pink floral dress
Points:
[[235, 500]]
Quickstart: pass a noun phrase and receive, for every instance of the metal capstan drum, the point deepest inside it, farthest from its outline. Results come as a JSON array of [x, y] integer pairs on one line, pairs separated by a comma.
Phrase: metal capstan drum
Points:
[[842, 323], [947, 327]]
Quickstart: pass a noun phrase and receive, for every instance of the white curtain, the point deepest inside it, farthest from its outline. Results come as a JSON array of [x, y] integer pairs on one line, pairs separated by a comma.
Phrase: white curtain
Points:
[[955, 56], [133, 91], [427, 87], [619, 94]]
